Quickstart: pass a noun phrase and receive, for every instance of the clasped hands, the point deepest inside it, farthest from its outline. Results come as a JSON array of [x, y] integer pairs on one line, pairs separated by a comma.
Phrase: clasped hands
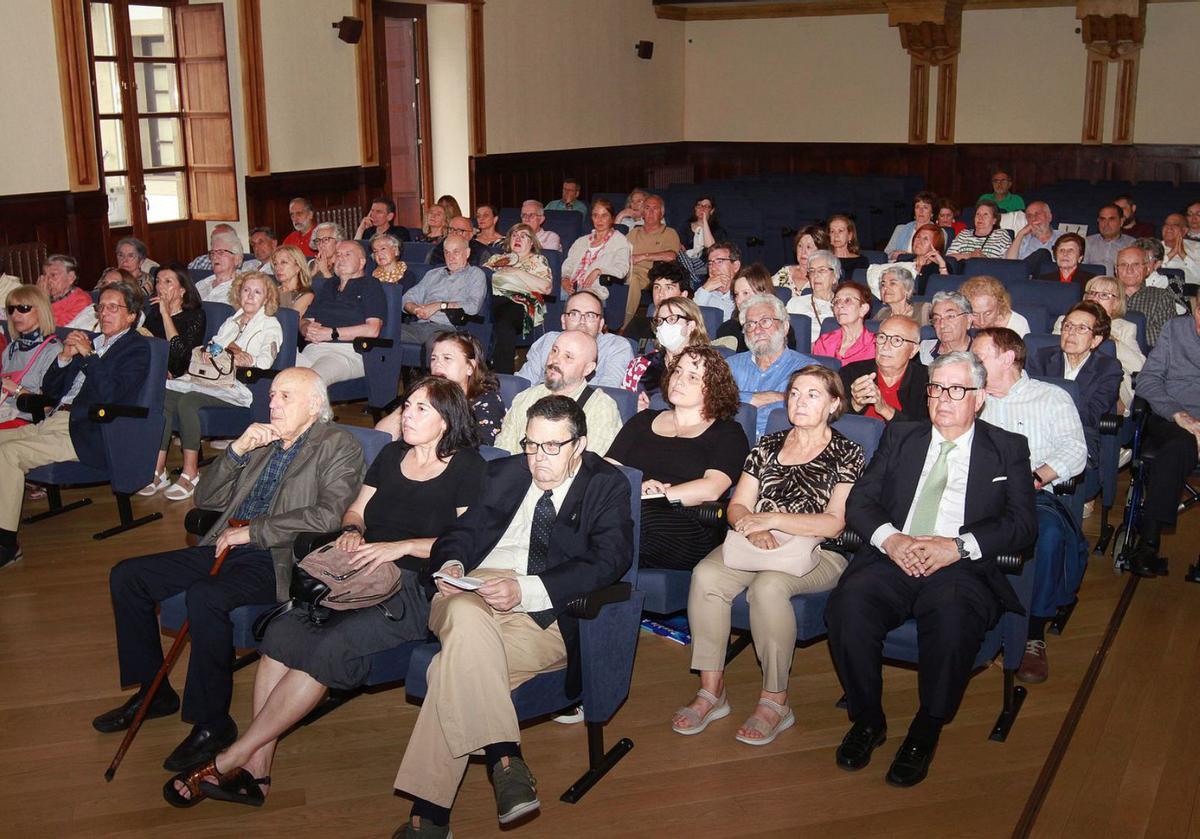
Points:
[[920, 556], [370, 555], [756, 527], [315, 333], [501, 593], [76, 343]]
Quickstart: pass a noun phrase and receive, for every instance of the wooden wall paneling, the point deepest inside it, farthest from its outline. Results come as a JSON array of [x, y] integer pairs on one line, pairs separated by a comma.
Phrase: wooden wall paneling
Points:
[[267, 196], [1126, 101], [368, 100], [79, 124], [1112, 30], [918, 101], [931, 33], [478, 84], [74, 223], [1094, 87], [254, 95], [947, 100]]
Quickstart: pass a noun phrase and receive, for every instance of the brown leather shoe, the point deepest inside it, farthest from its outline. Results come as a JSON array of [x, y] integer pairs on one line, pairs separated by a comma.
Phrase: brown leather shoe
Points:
[[1034, 668]]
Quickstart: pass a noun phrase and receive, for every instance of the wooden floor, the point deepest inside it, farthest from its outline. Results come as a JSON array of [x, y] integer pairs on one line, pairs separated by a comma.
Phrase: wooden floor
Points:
[[1132, 768]]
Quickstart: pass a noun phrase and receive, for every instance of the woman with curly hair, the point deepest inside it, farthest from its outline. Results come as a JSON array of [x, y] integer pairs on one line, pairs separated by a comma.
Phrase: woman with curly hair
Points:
[[689, 454]]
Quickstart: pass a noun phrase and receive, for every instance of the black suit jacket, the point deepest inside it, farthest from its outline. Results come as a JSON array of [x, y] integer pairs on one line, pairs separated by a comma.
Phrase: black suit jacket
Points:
[[914, 406], [591, 544], [114, 378], [999, 511], [1099, 382]]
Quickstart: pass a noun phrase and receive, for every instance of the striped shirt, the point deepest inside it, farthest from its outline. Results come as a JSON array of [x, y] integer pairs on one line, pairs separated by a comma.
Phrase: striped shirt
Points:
[[1046, 416], [994, 245]]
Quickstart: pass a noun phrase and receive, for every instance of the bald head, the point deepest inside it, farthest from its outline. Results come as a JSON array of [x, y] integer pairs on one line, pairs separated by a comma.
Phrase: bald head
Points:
[[572, 359], [890, 358], [298, 400]]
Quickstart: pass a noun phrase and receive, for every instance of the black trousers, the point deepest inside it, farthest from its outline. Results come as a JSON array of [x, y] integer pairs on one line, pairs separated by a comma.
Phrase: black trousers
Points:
[[672, 537], [137, 585], [1174, 459], [507, 319], [954, 609]]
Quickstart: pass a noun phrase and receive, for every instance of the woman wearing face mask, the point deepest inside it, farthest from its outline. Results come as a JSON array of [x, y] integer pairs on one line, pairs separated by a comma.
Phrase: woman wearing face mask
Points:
[[677, 324], [750, 281], [689, 454]]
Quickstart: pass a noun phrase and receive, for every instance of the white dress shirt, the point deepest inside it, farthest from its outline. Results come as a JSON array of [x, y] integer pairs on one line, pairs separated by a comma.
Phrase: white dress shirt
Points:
[[1046, 416], [952, 511]]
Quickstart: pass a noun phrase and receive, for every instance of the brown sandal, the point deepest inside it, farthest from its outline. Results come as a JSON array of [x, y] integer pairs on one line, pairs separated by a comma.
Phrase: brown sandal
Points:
[[193, 780]]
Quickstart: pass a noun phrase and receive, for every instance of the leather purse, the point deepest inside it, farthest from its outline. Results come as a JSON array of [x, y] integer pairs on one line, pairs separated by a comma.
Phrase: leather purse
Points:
[[218, 369], [324, 581], [796, 555]]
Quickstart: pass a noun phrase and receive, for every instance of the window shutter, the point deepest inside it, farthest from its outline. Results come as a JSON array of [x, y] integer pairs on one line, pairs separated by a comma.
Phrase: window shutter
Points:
[[207, 124]]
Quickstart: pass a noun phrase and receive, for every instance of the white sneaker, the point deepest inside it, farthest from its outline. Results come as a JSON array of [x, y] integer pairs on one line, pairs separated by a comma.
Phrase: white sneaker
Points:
[[160, 482], [182, 489], [571, 718], [1126, 456]]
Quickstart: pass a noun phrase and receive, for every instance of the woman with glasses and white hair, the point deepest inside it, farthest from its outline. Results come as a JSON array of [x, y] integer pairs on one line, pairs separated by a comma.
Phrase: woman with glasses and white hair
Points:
[[824, 273], [323, 240], [1109, 295], [521, 279], [226, 253], [132, 256], [896, 287]]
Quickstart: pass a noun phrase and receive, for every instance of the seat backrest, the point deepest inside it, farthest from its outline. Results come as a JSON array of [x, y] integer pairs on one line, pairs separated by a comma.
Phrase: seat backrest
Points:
[[416, 252], [626, 401], [866, 431], [634, 476], [938, 282], [510, 386], [128, 450], [215, 314], [415, 272], [260, 390], [568, 224], [1070, 386], [1138, 320], [493, 453], [1037, 316], [828, 361], [555, 258], [1094, 268], [372, 441], [1056, 297], [802, 329], [874, 257], [1005, 270], [747, 418], [1035, 342], [784, 294], [614, 307]]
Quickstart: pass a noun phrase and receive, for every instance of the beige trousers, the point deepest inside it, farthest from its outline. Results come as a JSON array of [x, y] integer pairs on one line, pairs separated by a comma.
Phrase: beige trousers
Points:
[[485, 655], [637, 281], [332, 362], [25, 448], [772, 619]]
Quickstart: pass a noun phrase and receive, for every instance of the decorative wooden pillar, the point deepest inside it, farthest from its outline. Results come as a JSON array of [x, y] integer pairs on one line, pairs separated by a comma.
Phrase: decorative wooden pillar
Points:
[[1113, 31], [70, 31], [368, 99], [931, 33], [254, 96], [478, 86]]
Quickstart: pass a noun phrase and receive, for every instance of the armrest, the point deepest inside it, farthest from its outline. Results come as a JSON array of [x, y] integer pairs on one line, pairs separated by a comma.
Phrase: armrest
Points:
[[250, 375], [609, 279], [35, 404], [1068, 487], [365, 345], [1111, 423], [589, 606], [1011, 563], [712, 514], [847, 542], [108, 413], [199, 521]]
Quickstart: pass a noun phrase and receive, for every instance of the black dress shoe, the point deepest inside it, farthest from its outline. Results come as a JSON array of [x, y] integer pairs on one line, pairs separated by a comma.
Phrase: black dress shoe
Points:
[[164, 704], [9, 555], [857, 745], [911, 763], [201, 746], [1145, 562]]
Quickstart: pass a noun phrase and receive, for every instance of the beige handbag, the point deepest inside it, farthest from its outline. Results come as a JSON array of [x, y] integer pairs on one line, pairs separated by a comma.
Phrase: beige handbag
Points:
[[796, 555], [216, 370]]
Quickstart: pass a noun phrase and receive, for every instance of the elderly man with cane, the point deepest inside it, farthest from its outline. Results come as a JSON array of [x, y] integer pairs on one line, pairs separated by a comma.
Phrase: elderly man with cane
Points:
[[295, 474]]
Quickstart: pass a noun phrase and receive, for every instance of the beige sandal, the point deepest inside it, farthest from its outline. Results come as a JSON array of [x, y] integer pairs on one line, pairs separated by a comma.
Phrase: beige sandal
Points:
[[720, 709], [182, 489], [786, 720]]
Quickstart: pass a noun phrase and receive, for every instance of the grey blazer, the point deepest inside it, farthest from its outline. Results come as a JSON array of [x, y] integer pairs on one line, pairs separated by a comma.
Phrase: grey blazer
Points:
[[318, 487]]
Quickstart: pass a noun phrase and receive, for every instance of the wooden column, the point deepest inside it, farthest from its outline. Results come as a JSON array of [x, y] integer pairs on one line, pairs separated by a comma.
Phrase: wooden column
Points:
[[254, 94], [79, 123], [1112, 31], [931, 33], [478, 90], [368, 99]]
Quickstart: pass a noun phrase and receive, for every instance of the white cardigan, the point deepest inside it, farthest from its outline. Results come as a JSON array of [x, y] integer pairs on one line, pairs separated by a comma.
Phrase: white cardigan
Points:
[[261, 337]]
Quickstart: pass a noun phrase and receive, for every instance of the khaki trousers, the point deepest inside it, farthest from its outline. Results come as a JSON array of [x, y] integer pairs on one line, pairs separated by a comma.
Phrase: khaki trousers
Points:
[[637, 281], [772, 619], [332, 362], [25, 448], [485, 655]]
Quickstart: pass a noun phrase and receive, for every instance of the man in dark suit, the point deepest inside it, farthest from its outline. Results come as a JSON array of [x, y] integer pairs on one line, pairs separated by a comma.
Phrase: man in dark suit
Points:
[[890, 386], [1085, 327], [935, 505], [109, 368], [551, 526]]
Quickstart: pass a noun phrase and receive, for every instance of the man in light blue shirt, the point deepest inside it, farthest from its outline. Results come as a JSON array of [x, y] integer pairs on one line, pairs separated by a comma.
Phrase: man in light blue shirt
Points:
[[584, 313], [762, 373], [1036, 234], [455, 286]]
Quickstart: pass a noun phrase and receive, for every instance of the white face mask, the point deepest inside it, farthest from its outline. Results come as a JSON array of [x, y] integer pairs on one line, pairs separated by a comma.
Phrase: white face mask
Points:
[[670, 336]]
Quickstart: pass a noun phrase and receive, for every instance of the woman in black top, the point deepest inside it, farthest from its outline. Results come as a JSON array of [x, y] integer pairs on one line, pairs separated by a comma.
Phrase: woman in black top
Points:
[[412, 493], [178, 318], [689, 454]]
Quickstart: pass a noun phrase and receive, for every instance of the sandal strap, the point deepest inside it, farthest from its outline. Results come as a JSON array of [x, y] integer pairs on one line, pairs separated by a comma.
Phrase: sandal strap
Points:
[[708, 696], [689, 714], [782, 710], [194, 777], [758, 724]]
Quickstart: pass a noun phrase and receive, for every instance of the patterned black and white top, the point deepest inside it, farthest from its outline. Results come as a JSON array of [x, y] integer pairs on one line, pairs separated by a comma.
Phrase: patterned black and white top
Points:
[[804, 487]]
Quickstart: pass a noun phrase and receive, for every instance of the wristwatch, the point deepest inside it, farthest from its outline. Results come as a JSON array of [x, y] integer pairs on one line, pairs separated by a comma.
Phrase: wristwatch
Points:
[[963, 553], [333, 334], [353, 528]]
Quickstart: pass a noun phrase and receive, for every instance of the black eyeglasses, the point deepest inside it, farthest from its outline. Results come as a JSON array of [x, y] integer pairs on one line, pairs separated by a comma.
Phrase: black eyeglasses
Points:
[[550, 447], [671, 319], [895, 340], [956, 392], [23, 308]]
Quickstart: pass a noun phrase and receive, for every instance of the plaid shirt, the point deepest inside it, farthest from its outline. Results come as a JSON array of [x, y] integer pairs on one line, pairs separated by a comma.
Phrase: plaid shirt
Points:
[[1157, 304], [258, 502]]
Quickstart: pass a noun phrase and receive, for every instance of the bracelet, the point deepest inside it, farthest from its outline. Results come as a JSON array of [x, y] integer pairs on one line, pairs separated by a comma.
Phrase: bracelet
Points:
[[353, 528]]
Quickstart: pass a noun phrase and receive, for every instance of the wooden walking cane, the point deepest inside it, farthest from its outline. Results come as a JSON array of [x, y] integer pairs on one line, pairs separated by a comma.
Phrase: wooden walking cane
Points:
[[163, 672]]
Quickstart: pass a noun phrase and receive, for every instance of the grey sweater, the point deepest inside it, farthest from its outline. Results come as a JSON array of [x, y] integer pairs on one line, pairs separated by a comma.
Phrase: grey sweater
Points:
[[1170, 381]]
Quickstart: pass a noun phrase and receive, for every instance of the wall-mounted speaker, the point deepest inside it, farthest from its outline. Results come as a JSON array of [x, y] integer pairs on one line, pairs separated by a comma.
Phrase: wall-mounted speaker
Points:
[[644, 49], [350, 29]]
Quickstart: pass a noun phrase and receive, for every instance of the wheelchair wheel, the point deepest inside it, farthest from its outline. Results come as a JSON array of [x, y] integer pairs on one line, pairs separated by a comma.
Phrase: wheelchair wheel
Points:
[[1118, 549]]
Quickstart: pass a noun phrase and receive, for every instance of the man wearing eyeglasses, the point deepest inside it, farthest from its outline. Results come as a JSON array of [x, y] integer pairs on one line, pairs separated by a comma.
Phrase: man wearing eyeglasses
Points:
[[462, 229], [763, 372], [109, 368], [584, 313], [59, 273], [534, 214], [1001, 194], [571, 360], [570, 198], [890, 386], [1156, 304], [724, 261], [1046, 416], [553, 525], [226, 254], [938, 501], [950, 317]]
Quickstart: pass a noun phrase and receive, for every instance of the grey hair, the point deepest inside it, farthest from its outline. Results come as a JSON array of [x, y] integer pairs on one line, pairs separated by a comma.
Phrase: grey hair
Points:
[[903, 275], [338, 233], [963, 304], [69, 263], [771, 300], [539, 208], [1152, 247], [232, 240], [978, 371], [831, 260], [386, 237], [137, 244], [321, 394]]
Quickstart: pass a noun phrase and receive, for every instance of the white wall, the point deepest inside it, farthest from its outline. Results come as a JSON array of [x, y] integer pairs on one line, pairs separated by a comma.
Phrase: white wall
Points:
[[448, 101], [310, 81], [796, 79], [1168, 110], [562, 74], [33, 153]]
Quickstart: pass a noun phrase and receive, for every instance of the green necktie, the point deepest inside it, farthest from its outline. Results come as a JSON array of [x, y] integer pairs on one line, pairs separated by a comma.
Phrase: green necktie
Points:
[[924, 522]]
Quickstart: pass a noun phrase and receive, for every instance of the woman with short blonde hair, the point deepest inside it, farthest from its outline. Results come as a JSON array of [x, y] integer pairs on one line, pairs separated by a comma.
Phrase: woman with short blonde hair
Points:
[[32, 348]]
